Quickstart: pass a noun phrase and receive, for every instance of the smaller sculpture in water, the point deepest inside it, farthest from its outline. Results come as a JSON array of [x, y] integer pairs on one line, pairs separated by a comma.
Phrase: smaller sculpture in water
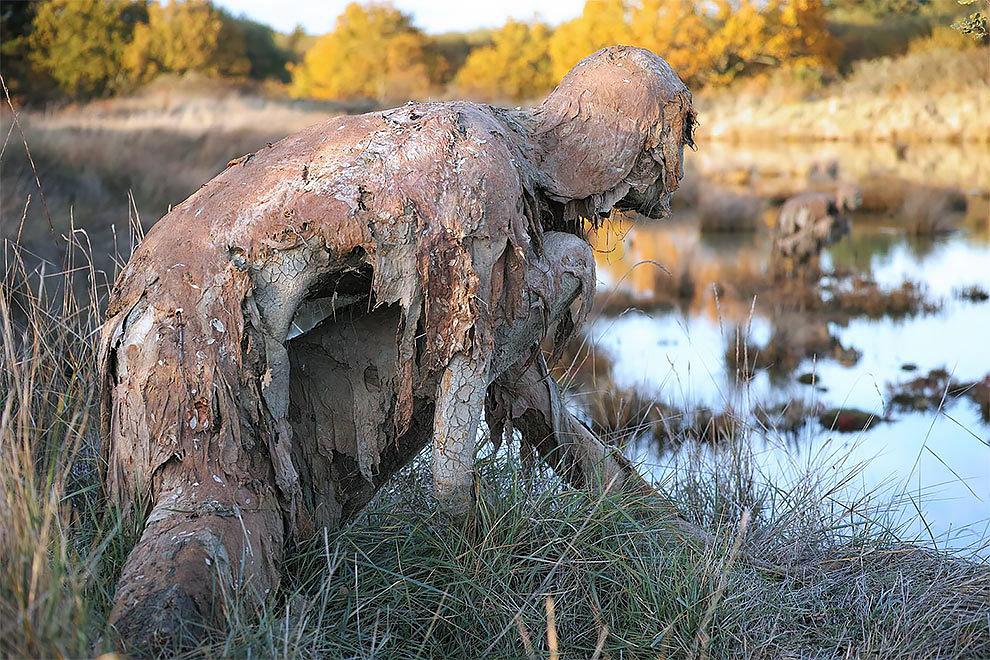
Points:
[[807, 224]]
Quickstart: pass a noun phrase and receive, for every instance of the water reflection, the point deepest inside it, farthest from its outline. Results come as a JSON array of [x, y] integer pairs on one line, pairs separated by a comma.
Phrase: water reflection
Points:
[[692, 322]]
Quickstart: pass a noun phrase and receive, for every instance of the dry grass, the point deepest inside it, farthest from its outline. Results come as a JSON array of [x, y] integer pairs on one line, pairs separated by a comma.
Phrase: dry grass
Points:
[[932, 95], [61, 546], [111, 162], [937, 71]]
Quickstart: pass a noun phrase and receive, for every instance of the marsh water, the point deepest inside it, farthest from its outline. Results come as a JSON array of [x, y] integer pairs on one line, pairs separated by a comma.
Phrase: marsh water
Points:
[[687, 313]]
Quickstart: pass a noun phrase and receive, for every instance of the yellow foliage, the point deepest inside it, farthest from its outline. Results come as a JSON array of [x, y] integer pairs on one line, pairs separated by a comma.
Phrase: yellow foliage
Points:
[[374, 52], [802, 38], [676, 30], [756, 35], [183, 36], [516, 65], [80, 43], [704, 41], [601, 23]]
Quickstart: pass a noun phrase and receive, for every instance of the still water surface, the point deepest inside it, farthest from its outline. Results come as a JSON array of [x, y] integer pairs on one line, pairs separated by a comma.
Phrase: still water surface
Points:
[[934, 462]]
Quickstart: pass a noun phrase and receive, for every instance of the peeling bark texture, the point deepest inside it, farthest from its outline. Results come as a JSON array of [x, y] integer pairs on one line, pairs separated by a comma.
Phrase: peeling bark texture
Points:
[[298, 329], [806, 225]]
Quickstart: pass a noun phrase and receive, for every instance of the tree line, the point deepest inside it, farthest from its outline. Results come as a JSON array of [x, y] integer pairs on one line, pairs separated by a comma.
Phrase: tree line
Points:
[[376, 52], [90, 48]]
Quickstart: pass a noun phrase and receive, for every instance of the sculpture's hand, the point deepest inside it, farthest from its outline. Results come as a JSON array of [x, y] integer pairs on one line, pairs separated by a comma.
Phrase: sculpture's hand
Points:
[[459, 404]]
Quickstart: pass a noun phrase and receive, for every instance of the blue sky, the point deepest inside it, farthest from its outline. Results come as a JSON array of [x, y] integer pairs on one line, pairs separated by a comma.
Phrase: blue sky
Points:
[[317, 16]]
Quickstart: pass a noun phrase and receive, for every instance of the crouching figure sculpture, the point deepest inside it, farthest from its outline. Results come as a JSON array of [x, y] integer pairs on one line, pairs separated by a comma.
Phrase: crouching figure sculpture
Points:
[[807, 224], [299, 328]]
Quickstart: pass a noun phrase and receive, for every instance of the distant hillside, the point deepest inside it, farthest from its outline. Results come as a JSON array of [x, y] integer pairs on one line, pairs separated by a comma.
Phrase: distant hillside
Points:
[[932, 95]]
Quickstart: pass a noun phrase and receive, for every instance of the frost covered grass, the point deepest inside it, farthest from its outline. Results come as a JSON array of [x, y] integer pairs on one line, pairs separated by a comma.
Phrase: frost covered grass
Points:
[[541, 569]]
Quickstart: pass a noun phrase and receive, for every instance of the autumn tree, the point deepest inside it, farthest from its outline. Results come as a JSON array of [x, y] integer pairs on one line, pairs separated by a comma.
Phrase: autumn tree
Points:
[[752, 36], [455, 47], [675, 29], [738, 41], [601, 23], [184, 36], [705, 41], [516, 65], [373, 52], [267, 57], [800, 35], [15, 46], [81, 43]]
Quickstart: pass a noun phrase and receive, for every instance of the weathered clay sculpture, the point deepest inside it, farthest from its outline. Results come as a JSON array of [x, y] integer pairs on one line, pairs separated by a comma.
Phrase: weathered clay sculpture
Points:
[[807, 224], [299, 328]]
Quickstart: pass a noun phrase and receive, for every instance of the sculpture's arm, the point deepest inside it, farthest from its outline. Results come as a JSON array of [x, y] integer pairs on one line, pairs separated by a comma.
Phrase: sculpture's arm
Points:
[[562, 273], [459, 403], [528, 396], [535, 406]]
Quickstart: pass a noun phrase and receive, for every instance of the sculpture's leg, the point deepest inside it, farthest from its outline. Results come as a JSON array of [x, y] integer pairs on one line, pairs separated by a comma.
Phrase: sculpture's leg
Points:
[[188, 433], [525, 395], [192, 548], [529, 397]]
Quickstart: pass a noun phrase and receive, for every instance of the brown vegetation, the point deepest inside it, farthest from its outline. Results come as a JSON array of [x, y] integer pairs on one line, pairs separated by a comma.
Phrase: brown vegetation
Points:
[[797, 336], [374, 52], [863, 297], [932, 212], [924, 96]]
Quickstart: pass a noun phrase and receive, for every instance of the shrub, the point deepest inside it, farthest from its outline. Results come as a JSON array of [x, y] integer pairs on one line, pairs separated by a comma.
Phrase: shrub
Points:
[[81, 43], [187, 36], [934, 71], [929, 212]]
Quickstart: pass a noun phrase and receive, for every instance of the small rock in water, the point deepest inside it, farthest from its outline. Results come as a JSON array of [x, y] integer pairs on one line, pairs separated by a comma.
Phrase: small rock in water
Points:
[[848, 420], [927, 392], [909, 366]]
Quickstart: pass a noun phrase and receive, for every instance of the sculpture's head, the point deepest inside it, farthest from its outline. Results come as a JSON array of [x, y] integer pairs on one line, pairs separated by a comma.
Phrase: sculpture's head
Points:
[[848, 197], [613, 132]]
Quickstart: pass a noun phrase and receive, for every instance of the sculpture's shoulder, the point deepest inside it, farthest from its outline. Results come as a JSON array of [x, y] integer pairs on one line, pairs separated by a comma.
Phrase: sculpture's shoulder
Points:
[[444, 158], [815, 201], [461, 128], [451, 167]]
